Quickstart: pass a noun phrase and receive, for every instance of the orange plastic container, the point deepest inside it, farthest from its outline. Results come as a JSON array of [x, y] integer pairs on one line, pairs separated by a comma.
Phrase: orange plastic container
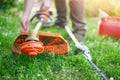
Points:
[[109, 26]]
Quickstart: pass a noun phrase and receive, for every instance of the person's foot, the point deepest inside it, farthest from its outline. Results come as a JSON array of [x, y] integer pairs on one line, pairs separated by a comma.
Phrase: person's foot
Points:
[[59, 23], [80, 35]]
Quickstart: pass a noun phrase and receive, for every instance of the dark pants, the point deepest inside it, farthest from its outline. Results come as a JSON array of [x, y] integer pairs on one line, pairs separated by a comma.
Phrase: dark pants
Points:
[[77, 13]]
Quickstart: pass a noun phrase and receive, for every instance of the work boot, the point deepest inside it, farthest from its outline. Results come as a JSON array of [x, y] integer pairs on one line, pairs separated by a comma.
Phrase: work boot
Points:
[[80, 35], [60, 23]]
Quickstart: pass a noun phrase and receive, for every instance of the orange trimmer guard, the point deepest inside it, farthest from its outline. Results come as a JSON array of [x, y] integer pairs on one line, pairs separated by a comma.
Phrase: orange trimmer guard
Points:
[[52, 43]]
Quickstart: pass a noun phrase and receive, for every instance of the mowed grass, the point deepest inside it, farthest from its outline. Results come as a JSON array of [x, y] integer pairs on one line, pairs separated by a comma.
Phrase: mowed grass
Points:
[[105, 52]]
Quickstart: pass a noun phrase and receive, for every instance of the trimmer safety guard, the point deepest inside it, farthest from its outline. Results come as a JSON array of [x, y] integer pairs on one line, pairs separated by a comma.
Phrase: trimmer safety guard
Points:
[[51, 42]]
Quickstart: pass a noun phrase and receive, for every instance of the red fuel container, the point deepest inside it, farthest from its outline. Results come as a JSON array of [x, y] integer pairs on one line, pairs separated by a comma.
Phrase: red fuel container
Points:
[[109, 26]]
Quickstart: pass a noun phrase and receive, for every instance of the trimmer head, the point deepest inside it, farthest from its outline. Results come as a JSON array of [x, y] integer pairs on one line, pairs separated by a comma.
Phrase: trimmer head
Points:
[[48, 43]]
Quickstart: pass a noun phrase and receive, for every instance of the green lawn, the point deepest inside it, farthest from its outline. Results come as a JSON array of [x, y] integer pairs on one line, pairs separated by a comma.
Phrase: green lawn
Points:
[[73, 66]]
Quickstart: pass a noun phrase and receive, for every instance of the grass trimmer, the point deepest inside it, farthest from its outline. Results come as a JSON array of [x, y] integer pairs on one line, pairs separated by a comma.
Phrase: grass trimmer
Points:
[[86, 53], [34, 42]]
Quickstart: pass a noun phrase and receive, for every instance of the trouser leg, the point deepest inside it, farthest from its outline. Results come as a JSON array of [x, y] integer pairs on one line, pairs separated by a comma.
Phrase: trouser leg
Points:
[[61, 8], [77, 13]]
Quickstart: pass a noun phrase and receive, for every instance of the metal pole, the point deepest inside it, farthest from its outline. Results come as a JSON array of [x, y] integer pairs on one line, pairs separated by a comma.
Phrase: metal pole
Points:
[[86, 53]]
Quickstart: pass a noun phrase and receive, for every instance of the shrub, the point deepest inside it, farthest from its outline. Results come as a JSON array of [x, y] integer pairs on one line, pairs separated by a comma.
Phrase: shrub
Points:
[[4, 4], [112, 7]]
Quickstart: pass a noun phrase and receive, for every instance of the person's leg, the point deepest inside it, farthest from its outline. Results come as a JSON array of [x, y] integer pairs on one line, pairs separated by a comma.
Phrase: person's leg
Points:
[[77, 13], [61, 8]]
